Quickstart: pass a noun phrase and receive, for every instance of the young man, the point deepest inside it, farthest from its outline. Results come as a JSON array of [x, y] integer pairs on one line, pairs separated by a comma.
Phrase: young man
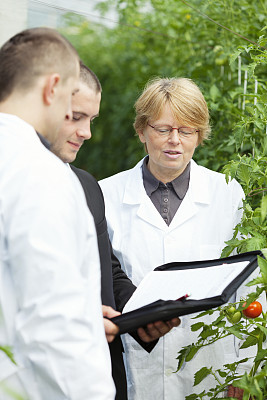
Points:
[[49, 261], [116, 288]]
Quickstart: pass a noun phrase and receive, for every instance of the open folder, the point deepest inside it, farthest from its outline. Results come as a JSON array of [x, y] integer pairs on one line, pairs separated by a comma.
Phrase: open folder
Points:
[[208, 283]]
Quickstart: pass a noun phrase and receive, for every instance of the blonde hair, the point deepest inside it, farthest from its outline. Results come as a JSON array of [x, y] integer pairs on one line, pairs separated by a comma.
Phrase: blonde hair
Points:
[[184, 98]]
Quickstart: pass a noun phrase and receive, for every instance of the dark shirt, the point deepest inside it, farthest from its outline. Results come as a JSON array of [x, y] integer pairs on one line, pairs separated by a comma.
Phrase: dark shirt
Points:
[[116, 287], [44, 141], [168, 197]]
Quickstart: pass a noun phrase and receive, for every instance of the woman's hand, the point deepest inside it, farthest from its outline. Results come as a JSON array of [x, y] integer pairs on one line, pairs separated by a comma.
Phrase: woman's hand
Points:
[[157, 329]]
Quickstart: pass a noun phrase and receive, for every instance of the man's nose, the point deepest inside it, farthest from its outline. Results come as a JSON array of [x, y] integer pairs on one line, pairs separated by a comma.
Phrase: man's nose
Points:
[[85, 131]]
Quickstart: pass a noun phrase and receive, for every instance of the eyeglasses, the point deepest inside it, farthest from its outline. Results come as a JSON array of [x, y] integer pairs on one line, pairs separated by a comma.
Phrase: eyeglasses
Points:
[[164, 130]]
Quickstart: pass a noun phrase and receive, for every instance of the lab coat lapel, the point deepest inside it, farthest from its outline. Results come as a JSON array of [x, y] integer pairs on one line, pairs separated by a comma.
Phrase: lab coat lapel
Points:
[[135, 194], [148, 212], [198, 194]]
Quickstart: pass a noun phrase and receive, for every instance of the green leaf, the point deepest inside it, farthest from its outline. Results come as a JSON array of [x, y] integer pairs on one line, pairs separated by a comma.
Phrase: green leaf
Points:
[[250, 341], [191, 353], [244, 173], [182, 355], [261, 355], [235, 330], [202, 314], [214, 92], [201, 374], [262, 328], [263, 208], [232, 367], [195, 327], [192, 397], [234, 56], [263, 267], [249, 385], [7, 350], [207, 332]]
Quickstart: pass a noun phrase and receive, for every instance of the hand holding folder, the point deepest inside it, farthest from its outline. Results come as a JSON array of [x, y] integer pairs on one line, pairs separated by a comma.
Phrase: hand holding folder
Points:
[[211, 283]]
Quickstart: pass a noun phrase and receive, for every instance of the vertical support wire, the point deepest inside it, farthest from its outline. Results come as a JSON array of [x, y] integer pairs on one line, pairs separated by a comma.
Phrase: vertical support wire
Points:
[[239, 79], [255, 101], [245, 89], [239, 71], [256, 91]]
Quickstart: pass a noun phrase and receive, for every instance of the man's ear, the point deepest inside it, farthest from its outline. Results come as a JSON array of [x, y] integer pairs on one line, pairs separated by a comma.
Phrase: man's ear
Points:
[[50, 88]]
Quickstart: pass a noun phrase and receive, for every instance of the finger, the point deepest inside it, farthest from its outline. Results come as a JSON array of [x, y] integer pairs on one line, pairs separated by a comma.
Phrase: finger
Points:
[[111, 330], [144, 336], [160, 328], [173, 323], [109, 312], [165, 327], [155, 331]]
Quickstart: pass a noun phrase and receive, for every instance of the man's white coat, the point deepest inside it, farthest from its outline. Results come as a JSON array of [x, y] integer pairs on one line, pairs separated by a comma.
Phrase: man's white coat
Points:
[[49, 276]]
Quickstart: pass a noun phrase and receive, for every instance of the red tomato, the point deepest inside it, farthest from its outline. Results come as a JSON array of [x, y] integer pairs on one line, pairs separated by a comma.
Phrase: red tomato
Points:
[[253, 310]]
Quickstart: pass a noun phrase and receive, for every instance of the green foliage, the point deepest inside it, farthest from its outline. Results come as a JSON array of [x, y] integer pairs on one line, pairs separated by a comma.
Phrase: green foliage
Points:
[[249, 167], [173, 38]]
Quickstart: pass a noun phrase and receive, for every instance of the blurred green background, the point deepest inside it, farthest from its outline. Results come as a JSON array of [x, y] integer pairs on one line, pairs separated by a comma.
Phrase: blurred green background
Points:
[[199, 40]]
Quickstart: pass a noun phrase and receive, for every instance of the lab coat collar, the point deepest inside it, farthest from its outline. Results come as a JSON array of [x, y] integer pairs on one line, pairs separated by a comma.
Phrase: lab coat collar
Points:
[[198, 192], [18, 126], [198, 185], [134, 188]]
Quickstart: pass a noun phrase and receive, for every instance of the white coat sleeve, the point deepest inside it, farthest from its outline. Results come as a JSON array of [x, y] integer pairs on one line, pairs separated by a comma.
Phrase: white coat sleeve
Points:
[[54, 264]]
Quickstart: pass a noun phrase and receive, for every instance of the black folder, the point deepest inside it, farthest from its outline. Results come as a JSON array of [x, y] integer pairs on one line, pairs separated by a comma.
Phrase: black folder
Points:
[[164, 310]]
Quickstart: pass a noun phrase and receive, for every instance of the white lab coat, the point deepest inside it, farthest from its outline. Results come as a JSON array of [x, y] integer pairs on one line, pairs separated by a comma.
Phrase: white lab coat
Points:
[[49, 276], [142, 241]]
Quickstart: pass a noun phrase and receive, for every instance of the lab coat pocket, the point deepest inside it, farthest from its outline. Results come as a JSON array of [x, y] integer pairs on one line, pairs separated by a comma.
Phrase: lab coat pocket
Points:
[[136, 356]]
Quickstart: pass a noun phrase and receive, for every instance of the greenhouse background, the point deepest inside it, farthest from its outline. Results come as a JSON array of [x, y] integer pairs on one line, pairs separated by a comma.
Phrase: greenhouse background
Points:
[[32, 13]]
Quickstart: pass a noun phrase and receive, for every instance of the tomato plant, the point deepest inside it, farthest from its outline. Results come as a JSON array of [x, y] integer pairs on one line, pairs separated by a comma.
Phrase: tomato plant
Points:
[[233, 316], [236, 317], [253, 310], [248, 371]]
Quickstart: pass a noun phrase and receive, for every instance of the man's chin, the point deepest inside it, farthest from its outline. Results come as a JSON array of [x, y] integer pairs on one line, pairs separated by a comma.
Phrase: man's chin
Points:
[[70, 158]]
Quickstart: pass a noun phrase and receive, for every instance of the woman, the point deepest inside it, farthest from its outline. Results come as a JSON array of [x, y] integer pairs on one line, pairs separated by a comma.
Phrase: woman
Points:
[[165, 209]]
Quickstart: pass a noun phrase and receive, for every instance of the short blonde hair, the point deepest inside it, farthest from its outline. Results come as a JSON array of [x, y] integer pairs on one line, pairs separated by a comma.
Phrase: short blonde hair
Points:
[[184, 98]]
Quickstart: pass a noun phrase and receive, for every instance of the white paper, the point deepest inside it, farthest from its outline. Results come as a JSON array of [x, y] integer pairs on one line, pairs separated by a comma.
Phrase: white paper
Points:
[[199, 283]]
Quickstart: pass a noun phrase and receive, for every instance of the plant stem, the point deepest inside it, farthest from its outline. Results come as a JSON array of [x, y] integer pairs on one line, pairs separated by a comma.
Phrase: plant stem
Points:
[[259, 346]]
